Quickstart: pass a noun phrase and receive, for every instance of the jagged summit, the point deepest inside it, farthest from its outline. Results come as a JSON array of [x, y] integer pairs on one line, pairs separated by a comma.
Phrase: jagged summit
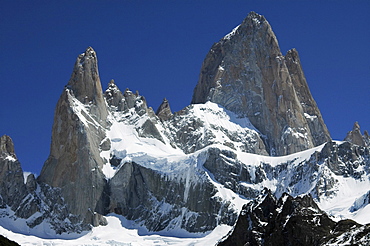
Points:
[[246, 73], [85, 82], [356, 137], [164, 111], [7, 146], [252, 20]]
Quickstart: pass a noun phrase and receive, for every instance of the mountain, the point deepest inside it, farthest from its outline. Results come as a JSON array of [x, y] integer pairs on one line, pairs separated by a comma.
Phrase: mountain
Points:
[[252, 135], [247, 74]]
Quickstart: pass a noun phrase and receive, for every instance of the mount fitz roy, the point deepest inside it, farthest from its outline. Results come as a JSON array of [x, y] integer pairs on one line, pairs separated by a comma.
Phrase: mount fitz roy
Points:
[[252, 135]]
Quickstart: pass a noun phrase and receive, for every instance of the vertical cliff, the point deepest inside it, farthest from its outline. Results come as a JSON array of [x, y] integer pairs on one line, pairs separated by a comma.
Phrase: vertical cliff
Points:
[[74, 163], [12, 187]]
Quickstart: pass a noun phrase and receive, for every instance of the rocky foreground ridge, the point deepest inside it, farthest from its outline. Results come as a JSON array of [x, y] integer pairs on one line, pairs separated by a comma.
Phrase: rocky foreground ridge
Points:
[[252, 124], [292, 221]]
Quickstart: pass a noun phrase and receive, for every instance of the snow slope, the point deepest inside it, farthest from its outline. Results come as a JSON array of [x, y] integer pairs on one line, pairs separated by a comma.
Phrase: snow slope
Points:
[[120, 232]]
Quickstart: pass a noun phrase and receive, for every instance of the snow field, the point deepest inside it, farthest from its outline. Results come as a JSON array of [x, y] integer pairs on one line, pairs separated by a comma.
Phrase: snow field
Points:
[[121, 232]]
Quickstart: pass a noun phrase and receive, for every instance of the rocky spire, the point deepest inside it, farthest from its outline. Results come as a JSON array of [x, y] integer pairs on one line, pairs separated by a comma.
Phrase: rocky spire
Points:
[[12, 187], [318, 129], [356, 137], [246, 73], [164, 111], [74, 164], [85, 83]]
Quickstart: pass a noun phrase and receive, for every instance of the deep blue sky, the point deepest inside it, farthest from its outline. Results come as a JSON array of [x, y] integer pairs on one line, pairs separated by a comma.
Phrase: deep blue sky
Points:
[[157, 47]]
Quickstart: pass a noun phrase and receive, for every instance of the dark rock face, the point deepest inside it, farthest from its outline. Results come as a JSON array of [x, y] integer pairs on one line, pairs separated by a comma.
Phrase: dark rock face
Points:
[[345, 159], [291, 221], [162, 203], [315, 175], [246, 73], [230, 172], [6, 242], [31, 183], [50, 204]]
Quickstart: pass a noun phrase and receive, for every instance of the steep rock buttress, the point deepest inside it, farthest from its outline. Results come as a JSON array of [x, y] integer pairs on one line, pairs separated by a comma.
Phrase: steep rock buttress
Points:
[[74, 163]]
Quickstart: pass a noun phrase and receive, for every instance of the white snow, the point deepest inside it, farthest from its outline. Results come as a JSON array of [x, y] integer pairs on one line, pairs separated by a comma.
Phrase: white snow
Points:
[[253, 159], [127, 145], [293, 132], [257, 21], [212, 113], [25, 175], [348, 191], [232, 33], [228, 195], [120, 231], [362, 216], [149, 152], [310, 117], [10, 158], [19, 227]]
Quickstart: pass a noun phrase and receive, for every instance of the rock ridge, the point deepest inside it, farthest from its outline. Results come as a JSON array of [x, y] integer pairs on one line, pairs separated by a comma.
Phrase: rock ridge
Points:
[[291, 221]]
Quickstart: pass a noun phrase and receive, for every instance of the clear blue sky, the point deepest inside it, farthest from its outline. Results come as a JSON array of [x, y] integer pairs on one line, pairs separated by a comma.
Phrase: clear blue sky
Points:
[[157, 47]]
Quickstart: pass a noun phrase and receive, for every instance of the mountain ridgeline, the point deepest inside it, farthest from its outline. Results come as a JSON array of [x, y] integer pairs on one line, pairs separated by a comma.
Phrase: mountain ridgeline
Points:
[[252, 134]]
